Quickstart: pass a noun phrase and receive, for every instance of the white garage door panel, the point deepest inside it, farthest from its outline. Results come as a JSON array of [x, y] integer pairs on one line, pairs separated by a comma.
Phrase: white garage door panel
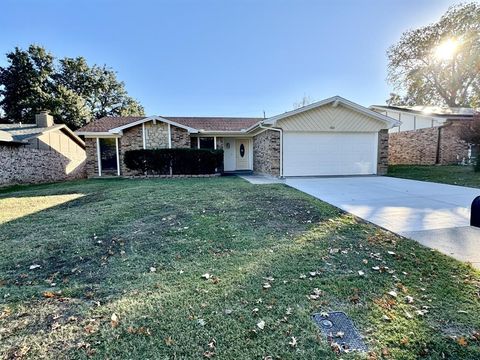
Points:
[[309, 154]]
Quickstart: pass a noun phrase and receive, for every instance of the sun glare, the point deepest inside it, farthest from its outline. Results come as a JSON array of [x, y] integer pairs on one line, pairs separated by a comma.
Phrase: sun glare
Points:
[[446, 50]]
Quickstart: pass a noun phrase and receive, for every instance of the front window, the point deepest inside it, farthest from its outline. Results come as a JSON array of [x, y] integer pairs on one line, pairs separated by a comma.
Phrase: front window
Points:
[[204, 142]]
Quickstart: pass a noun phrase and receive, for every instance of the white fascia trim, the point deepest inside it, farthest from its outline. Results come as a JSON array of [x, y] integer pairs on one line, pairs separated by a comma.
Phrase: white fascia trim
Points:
[[336, 100], [118, 156], [169, 136], [94, 134], [99, 159], [153, 118], [224, 135], [416, 113]]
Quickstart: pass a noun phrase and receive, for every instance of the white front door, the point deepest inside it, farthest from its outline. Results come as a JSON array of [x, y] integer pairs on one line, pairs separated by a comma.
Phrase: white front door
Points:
[[329, 153], [242, 154], [229, 162]]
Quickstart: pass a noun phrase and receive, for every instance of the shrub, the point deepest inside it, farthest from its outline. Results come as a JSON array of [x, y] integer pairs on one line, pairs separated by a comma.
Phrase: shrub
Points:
[[175, 161]]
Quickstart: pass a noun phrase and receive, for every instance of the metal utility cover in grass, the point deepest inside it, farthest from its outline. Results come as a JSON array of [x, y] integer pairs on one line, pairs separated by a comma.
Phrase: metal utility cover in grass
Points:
[[338, 328]]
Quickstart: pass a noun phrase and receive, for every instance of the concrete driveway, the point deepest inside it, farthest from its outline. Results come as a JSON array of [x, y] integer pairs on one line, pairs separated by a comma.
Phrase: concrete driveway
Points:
[[436, 215]]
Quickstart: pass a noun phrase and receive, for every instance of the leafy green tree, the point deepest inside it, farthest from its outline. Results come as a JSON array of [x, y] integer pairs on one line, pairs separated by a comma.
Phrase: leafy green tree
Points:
[[73, 91], [25, 85], [439, 64]]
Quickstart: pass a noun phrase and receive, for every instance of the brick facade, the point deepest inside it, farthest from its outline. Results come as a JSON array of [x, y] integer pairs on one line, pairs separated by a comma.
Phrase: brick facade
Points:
[[180, 137], [382, 159], [266, 153], [156, 137], [23, 165], [452, 149], [429, 146]]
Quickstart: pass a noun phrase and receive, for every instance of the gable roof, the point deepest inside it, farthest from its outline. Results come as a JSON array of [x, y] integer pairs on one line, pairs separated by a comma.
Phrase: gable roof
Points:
[[436, 111], [335, 100], [106, 123], [113, 125], [21, 133]]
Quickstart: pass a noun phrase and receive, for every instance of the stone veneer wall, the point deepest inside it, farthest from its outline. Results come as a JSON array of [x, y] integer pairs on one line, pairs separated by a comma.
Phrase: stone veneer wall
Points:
[[429, 146], [156, 135], [266, 153], [21, 165], [382, 159]]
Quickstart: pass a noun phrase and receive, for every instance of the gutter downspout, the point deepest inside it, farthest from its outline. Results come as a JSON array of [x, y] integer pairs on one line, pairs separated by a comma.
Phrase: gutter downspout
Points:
[[281, 145]]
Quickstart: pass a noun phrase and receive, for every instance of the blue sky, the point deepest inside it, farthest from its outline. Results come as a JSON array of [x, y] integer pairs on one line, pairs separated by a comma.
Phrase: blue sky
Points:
[[225, 57]]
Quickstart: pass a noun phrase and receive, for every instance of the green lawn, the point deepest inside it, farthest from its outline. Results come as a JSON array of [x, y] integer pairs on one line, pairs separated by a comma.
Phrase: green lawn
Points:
[[455, 175], [121, 264]]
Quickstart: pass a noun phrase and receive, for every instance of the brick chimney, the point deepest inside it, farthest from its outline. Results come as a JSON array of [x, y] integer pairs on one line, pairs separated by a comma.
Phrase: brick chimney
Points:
[[44, 119]]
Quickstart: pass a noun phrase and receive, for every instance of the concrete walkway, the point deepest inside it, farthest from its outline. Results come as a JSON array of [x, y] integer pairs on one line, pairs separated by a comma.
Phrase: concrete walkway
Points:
[[436, 215], [262, 180]]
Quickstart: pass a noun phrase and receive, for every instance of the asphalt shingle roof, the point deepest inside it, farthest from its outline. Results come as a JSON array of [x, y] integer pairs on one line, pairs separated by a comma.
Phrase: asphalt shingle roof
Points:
[[215, 123], [22, 132], [200, 123]]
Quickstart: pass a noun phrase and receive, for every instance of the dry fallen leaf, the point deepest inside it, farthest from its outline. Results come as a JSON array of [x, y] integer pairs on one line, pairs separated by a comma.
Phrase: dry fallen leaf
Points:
[[48, 294], [169, 341], [206, 276], [461, 341], [293, 342], [34, 266], [153, 269], [114, 320], [392, 294], [267, 286], [261, 324], [208, 354]]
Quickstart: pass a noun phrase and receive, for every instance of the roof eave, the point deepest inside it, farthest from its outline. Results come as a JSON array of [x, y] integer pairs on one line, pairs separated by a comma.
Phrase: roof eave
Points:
[[152, 118], [335, 100]]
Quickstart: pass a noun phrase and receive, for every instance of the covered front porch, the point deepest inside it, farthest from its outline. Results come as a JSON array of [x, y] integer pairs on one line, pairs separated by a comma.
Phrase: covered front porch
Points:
[[237, 151]]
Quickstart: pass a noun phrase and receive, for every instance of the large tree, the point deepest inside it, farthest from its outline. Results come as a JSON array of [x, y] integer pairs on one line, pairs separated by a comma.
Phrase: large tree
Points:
[[439, 64], [25, 85], [73, 91]]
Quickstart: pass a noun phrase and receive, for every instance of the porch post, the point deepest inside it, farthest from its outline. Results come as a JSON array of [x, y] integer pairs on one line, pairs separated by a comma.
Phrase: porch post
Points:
[[99, 159], [169, 136], [143, 136], [198, 142], [118, 156], [215, 143]]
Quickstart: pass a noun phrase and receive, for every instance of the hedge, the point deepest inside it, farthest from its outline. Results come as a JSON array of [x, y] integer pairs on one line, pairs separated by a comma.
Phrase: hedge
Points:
[[175, 161]]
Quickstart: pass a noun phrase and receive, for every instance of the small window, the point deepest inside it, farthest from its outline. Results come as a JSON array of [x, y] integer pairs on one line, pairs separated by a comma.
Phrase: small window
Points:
[[207, 143]]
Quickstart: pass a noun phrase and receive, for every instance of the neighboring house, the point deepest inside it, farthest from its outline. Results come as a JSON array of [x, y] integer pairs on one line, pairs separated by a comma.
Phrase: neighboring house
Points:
[[427, 135], [40, 152], [330, 137]]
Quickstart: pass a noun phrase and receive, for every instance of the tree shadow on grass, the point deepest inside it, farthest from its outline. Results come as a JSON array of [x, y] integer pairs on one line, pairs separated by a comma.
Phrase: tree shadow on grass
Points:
[[241, 235]]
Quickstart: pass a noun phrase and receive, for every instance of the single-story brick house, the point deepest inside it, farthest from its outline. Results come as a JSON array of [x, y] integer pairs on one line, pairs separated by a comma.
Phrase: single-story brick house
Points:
[[40, 152], [331, 137], [428, 135]]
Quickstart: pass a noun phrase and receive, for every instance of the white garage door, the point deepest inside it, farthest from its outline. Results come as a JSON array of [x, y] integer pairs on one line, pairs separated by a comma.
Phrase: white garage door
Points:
[[322, 153]]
